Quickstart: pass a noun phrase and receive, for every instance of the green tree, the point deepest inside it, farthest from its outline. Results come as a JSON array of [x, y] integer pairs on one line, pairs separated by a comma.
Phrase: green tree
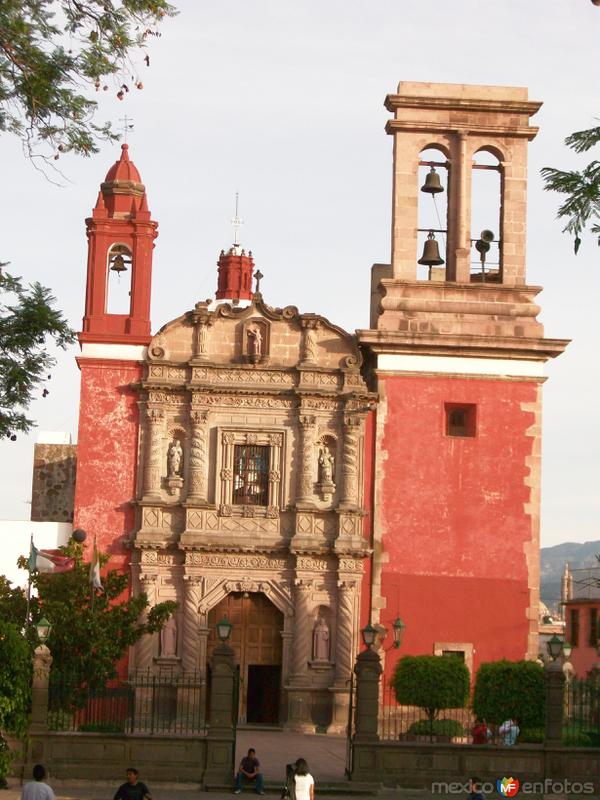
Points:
[[91, 630], [15, 689], [581, 207], [28, 322], [13, 603], [432, 683], [55, 54], [509, 689]]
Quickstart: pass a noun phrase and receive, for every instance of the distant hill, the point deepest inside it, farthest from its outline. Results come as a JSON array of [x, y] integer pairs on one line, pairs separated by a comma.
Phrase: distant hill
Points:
[[553, 563]]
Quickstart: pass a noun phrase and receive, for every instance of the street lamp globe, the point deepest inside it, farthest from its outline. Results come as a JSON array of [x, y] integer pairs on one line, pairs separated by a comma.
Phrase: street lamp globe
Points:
[[398, 627], [368, 634], [224, 629], [43, 628], [554, 647]]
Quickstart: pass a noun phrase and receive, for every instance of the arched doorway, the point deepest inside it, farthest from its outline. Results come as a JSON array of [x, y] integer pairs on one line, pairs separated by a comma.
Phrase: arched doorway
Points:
[[256, 641]]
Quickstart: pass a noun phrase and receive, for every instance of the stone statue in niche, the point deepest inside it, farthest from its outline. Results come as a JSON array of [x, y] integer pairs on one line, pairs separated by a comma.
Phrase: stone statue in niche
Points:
[[326, 466], [255, 345], [174, 459], [168, 639], [321, 640]]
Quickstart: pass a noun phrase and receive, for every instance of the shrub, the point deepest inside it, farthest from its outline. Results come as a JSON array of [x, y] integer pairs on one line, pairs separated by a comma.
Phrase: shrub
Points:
[[431, 682], [532, 736], [102, 727], [509, 689], [436, 727], [576, 739]]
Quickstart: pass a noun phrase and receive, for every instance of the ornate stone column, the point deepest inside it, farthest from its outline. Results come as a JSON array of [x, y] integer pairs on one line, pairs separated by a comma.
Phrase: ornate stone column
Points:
[[191, 620], [350, 460], [308, 355], [152, 460], [201, 344], [197, 487], [302, 632], [306, 473], [145, 647], [299, 694], [275, 442], [344, 655], [227, 454]]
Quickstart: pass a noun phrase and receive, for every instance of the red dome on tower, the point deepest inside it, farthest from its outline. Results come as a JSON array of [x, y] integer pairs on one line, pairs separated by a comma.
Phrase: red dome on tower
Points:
[[123, 169]]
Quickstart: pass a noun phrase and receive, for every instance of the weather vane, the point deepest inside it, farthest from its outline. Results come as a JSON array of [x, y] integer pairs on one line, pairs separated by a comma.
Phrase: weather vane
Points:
[[236, 222], [127, 126]]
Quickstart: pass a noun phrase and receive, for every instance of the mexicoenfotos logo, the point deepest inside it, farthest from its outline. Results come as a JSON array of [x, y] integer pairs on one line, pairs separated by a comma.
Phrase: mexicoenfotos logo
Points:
[[507, 787]]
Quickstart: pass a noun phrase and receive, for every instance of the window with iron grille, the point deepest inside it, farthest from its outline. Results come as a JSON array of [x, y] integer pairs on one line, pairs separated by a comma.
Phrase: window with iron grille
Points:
[[593, 627], [574, 626], [460, 420], [250, 475]]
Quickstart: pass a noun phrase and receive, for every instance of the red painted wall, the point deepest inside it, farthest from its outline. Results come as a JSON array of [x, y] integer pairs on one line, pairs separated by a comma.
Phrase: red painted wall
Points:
[[107, 449], [452, 515]]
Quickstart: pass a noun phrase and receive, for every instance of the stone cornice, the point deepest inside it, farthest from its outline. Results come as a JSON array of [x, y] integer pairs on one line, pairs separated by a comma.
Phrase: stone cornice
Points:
[[465, 345]]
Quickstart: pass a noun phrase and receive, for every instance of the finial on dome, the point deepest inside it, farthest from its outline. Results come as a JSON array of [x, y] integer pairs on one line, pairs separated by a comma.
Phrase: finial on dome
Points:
[[237, 223]]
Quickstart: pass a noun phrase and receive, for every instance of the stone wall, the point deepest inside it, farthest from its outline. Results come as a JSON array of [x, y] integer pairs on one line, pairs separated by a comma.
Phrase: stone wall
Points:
[[419, 765], [93, 756]]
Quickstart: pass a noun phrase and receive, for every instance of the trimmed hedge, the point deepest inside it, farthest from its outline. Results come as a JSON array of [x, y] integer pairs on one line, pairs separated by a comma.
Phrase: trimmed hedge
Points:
[[510, 689], [431, 682], [437, 727]]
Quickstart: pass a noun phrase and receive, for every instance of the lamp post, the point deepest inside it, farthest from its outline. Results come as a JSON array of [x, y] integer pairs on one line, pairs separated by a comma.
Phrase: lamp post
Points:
[[554, 684], [220, 752], [42, 661]]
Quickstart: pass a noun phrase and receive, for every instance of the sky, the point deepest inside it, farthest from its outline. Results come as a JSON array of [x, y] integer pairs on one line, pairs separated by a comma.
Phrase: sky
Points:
[[283, 103]]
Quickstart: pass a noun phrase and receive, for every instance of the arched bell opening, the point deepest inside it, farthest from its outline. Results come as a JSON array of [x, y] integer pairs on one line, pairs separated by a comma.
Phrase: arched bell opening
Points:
[[118, 279], [486, 205], [432, 236]]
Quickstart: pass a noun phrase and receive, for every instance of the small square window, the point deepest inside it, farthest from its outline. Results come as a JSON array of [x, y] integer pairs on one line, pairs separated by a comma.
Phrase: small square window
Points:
[[460, 419]]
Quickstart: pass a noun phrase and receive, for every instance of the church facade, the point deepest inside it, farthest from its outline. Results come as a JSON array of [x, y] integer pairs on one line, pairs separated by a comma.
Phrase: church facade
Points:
[[264, 465]]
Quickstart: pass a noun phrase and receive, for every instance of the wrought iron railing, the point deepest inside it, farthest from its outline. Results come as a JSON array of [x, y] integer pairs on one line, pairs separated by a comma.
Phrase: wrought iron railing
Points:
[[163, 704]]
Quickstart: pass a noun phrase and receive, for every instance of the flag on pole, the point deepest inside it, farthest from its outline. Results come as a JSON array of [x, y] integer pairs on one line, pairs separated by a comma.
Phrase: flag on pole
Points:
[[95, 570], [48, 560]]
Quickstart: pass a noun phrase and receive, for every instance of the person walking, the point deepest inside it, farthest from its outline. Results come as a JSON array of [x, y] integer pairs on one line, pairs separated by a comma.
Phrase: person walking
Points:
[[249, 770], [304, 783], [37, 789], [133, 788]]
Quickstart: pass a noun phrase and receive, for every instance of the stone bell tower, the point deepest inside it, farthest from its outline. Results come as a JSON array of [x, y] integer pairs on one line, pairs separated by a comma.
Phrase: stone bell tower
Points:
[[115, 332], [457, 356]]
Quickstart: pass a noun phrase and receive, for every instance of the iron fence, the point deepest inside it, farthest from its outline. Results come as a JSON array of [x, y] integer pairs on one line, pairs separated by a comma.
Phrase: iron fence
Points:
[[410, 723], [581, 717], [163, 703]]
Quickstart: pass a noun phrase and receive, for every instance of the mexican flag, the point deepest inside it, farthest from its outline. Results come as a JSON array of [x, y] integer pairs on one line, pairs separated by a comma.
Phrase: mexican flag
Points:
[[48, 560]]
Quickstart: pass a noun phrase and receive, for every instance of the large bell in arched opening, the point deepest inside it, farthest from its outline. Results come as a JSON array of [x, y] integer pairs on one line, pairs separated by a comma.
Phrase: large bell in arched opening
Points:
[[432, 183], [431, 252], [118, 264]]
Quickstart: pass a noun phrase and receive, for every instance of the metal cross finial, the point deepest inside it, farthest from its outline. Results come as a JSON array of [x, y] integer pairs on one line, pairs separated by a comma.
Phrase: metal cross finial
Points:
[[236, 221], [127, 126], [258, 277]]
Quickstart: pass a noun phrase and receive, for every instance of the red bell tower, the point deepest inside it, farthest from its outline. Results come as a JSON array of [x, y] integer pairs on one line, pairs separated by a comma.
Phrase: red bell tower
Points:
[[113, 345], [121, 239]]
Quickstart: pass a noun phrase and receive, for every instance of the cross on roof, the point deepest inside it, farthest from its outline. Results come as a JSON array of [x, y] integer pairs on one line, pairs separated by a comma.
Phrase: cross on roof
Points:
[[236, 222], [127, 126]]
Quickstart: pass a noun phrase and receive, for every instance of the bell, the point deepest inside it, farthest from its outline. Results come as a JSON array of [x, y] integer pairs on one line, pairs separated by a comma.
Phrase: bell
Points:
[[431, 252], [118, 264], [432, 183]]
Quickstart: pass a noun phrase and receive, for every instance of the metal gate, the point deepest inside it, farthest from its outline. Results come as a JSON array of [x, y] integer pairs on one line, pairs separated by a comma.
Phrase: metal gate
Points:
[[350, 728]]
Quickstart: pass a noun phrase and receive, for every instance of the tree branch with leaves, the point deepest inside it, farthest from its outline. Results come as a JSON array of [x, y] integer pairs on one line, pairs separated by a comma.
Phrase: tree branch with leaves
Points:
[[55, 54], [581, 207]]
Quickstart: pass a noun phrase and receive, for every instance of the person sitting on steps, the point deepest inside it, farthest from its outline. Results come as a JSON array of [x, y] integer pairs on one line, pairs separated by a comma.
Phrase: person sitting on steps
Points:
[[248, 770]]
